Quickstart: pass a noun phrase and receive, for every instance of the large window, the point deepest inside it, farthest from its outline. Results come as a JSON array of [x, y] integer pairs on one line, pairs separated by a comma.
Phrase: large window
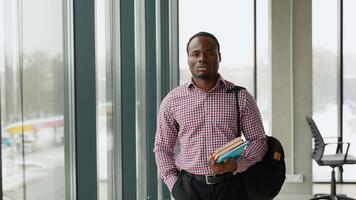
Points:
[[325, 70], [32, 66], [128, 85], [232, 22], [104, 81], [263, 63], [349, 82], [242, 28], [334, 78]]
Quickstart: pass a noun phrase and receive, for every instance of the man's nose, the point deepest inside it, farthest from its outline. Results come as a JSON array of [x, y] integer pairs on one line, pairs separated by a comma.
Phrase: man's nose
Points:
[[202, 57]]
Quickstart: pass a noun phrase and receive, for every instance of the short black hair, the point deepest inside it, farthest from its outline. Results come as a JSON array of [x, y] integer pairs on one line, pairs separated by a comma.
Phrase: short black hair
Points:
[[204, 34]]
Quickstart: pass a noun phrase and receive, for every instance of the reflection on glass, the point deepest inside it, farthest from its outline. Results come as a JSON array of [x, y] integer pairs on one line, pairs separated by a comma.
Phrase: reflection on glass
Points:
[[349, 107], [232, 23], [10, 101], [104, 98], [325, 66], [264, 76], [32, 100]]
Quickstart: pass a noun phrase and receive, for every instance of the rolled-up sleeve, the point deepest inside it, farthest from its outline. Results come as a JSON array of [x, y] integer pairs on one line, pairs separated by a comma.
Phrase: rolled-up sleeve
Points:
[[253, 131], [165, 140]]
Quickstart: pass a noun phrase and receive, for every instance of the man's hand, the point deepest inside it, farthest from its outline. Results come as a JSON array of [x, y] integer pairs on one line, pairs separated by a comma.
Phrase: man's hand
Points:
[[228, 165]]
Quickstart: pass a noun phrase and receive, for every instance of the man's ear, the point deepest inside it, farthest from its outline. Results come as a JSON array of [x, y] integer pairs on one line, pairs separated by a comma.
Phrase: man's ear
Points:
[[219, 57]]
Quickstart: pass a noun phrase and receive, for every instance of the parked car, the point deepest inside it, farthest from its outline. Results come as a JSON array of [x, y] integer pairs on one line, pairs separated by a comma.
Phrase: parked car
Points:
[[5, 142], [28, 142]]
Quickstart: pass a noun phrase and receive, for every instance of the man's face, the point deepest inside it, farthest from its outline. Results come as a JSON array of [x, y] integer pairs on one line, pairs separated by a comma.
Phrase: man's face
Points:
[[203, 58]]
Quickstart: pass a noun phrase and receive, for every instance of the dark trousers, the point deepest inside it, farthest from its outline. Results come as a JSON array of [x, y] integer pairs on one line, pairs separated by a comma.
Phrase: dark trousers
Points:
[[189, 188]]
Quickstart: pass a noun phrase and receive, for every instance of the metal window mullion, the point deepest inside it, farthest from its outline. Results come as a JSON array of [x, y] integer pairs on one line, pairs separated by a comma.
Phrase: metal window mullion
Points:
[[85, 99], [21, 79], [158, 79], [116, 158], [1, 186], [165, 57], [140, 93], [340, 85], [158, 51], [165, 69], [151, 107], [69, 102], [255, 48], [1, 95], [173, 34], [128, 104]]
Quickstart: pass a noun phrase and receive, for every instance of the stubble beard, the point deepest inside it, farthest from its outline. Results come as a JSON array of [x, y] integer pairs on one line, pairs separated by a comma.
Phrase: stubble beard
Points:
[[204, 76]]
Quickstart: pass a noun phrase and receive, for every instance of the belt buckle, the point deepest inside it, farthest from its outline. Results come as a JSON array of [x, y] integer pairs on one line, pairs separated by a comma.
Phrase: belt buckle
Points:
[[207, 179]]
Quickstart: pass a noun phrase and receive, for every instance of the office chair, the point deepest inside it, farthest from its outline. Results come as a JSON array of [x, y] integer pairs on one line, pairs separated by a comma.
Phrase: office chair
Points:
[[332, 160]]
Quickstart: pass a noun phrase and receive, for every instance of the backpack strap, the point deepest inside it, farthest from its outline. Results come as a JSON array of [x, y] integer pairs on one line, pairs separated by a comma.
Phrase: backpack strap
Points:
[[264, 179], [236, 90]]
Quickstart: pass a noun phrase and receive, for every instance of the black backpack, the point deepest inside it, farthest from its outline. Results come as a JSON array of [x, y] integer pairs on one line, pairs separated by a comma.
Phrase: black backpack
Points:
[[264, 180]]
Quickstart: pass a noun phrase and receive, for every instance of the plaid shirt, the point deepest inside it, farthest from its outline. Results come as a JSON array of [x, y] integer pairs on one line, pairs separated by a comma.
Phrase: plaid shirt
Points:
[[202, 122]]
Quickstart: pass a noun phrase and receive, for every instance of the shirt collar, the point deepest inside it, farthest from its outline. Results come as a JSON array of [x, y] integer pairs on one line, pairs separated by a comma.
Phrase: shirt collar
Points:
[[220, 83]]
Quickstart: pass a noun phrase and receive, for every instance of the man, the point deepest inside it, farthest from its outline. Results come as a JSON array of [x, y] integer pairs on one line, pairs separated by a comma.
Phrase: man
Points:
[[202, 116]]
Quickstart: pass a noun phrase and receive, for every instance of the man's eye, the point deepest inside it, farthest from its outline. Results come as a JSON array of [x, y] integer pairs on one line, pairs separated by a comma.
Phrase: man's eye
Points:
[[195, 54], [211, 53]]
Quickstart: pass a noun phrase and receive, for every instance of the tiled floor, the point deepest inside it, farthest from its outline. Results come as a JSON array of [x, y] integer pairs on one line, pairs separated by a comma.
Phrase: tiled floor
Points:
[[348, 189]]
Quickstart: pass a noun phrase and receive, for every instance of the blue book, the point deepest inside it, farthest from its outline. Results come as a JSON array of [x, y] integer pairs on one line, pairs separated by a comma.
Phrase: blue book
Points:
[[233, 153]]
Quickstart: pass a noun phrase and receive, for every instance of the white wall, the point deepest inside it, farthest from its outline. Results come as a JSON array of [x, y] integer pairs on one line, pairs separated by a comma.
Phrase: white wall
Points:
[[292, 89]]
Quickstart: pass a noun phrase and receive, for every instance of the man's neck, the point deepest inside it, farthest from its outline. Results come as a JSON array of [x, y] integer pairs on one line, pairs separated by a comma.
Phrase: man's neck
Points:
[[205, 85]]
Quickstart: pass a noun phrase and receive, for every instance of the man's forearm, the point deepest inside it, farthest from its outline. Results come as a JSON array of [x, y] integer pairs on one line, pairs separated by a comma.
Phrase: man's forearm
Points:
[[166, 165], [253, 153]]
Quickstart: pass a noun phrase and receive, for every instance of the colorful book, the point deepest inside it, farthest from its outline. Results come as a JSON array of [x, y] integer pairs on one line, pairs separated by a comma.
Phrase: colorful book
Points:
[[228, 146], [231, 149]]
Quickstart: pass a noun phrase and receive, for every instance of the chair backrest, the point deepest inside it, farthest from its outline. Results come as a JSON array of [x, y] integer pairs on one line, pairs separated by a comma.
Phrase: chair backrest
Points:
[[318, 140]]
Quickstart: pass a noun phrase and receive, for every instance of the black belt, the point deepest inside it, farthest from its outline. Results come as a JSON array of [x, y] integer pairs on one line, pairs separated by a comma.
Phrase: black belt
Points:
[[210, 179]]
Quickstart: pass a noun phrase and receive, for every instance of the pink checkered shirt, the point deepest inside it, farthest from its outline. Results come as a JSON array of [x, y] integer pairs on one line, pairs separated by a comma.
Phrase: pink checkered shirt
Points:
[[202, 122]]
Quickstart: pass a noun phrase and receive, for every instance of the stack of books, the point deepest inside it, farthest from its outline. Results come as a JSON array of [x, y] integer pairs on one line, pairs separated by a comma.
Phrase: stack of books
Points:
[[232, 149]]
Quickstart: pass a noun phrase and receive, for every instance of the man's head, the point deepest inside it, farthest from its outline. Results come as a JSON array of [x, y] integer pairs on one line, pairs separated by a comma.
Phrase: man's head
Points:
[[204, 34], [203, 56]]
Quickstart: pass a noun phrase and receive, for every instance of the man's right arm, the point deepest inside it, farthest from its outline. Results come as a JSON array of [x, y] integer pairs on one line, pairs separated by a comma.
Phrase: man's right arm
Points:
[[166, 137]]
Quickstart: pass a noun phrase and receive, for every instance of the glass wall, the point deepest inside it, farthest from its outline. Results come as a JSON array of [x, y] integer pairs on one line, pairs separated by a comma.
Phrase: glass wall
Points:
[[233, 25], [232, 22], [334, 78], [325, 70], [104, 108], [32, 99], [263, 62], [349, 87], [111, 169]]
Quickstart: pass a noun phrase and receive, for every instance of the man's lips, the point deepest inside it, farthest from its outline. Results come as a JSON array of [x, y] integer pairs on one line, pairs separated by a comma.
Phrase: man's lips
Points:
[[202, 68]]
